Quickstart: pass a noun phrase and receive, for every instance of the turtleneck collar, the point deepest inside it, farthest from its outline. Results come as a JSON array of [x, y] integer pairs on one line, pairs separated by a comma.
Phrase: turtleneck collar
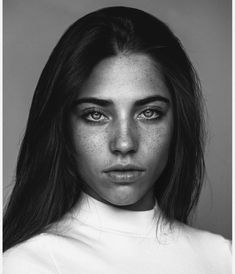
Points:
[[107, 217]]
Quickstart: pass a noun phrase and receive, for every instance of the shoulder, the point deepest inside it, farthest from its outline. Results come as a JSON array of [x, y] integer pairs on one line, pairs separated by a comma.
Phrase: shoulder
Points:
[[209, 247], [31, 256], [205, 238]]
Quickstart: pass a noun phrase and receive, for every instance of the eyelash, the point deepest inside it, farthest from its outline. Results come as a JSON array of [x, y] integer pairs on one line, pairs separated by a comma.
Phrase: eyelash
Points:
[[87, 115], [89, 112], [158, 114]]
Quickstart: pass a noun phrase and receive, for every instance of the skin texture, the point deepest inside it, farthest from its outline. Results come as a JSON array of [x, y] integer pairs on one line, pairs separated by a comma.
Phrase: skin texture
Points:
[[122, 132]]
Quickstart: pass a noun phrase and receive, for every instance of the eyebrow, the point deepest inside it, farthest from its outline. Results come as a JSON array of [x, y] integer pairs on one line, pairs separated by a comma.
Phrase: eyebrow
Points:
[[106, 103], [150, 99]]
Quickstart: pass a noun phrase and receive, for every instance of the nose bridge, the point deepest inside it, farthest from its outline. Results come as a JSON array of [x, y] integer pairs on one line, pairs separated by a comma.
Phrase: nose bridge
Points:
[[125, 138]]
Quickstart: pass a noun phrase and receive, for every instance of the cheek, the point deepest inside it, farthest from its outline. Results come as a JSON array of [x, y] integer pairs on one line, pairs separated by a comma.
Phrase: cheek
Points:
[[89, 144], [157, 144]]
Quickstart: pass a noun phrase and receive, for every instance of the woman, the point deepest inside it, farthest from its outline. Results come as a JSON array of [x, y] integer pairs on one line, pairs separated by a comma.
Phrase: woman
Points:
[[111, 164]]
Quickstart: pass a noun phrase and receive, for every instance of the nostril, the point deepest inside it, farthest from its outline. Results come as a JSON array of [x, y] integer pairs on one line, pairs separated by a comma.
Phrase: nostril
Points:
[[124, 145]]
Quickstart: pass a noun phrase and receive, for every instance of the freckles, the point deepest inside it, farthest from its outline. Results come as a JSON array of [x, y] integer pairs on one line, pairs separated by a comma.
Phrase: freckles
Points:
[[157, 139], [89, 143]]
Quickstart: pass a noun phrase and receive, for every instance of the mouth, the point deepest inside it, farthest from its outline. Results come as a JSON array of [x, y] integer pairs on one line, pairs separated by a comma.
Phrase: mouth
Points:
[[124, 174]]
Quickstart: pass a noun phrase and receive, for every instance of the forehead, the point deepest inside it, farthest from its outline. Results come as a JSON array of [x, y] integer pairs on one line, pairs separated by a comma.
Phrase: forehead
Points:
[[125, 77]]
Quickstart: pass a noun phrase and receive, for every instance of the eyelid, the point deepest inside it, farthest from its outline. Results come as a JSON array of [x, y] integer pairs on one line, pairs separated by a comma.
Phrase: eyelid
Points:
[[158, 110], [91, 110]]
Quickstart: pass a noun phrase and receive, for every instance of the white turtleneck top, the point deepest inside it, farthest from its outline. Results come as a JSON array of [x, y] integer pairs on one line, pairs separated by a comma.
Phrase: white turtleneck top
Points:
[[97, 238]]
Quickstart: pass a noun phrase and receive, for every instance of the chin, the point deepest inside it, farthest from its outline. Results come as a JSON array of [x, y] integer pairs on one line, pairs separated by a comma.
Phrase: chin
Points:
[[123, 198]]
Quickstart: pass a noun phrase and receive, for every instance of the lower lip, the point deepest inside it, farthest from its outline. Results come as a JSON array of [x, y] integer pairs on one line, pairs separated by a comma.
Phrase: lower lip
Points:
[[124, 176]]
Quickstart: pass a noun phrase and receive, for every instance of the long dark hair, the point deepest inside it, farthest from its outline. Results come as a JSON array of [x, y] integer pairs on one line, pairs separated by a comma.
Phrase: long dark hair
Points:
[[47, 180]]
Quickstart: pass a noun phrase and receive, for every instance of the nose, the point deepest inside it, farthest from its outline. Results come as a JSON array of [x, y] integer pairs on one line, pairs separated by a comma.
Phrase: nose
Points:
[[124, 139]]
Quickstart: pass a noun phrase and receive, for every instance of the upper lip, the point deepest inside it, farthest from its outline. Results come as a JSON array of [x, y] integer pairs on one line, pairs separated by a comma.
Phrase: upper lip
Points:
[[120, 167]]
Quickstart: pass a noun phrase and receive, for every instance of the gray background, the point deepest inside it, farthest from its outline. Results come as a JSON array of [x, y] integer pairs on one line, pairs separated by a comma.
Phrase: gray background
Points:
[[31, 30]]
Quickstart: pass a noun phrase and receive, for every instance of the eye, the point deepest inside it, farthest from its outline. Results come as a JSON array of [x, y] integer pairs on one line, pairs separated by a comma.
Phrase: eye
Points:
[[150, 114], [94, 116]]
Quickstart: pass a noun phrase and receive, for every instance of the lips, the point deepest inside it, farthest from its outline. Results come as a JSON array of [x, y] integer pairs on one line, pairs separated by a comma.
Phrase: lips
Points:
[[124, 173]]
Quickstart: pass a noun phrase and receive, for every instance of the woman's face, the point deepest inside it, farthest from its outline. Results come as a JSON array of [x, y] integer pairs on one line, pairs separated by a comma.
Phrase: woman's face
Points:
[[122, 126]]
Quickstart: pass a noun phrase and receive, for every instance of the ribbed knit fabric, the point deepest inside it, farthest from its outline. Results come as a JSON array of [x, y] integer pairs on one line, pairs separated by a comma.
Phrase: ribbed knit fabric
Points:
[[97, 238]]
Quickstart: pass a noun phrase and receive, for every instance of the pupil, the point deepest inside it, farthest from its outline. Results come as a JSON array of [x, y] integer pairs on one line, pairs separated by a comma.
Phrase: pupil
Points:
[[96, 115], [148, 113]]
